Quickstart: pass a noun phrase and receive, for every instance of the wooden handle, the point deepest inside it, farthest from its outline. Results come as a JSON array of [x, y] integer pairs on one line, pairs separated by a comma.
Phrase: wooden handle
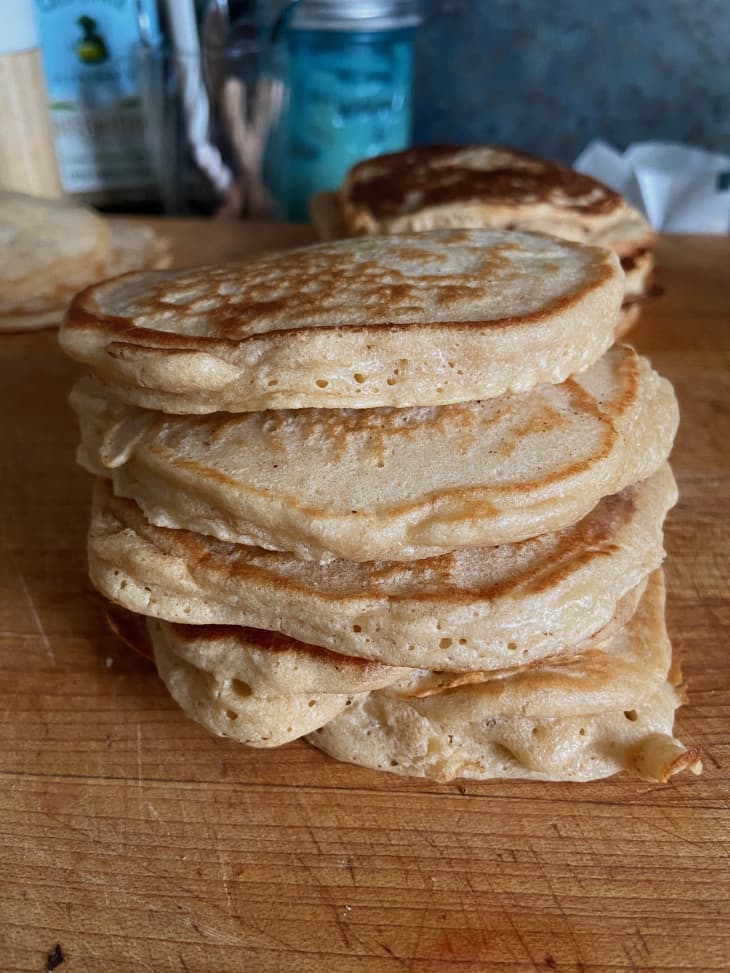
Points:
[[27, 152]]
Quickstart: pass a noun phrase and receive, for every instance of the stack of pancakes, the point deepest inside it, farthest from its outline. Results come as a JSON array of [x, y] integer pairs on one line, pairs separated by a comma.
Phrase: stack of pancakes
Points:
[[50, 249], [397, 495], [437, 186]]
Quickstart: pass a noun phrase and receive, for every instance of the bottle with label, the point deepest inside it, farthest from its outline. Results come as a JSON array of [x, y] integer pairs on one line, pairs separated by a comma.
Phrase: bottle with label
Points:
[[90, 50]]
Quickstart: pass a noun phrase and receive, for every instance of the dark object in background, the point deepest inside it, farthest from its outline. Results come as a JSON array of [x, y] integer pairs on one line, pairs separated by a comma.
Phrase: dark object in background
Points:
[[55, 959]]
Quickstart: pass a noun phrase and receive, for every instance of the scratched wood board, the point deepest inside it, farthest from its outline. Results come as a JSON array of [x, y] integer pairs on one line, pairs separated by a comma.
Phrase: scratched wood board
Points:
[[137, 842]]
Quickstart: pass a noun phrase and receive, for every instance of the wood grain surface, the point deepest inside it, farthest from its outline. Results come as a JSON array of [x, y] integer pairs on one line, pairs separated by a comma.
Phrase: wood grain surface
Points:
[[137, 842]]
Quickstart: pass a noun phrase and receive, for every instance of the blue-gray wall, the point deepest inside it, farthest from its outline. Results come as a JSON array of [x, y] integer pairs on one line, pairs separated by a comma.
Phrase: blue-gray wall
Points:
[[549, 75]]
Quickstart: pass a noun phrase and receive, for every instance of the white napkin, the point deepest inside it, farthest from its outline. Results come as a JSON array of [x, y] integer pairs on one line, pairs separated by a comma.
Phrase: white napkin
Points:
[[681, 189]]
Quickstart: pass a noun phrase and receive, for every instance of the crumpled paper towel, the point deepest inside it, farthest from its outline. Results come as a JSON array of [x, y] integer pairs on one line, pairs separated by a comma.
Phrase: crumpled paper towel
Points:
[[680, 189]]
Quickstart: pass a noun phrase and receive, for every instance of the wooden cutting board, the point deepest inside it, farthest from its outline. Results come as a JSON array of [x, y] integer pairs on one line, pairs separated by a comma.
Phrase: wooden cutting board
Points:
[[137, 842]]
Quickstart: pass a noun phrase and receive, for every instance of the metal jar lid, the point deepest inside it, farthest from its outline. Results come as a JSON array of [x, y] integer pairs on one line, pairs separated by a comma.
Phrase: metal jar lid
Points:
[[354, 14]]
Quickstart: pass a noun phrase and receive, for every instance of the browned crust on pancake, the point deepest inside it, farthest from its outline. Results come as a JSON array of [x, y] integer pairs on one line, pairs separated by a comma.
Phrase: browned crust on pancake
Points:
[[84, 312], [691, 759], [432, 578], [268, 641], [331, 325], [528, 179], [131, 629]]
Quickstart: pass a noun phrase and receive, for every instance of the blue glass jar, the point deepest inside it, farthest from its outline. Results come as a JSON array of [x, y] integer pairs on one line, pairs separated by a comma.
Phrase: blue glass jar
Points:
[[348, 68]]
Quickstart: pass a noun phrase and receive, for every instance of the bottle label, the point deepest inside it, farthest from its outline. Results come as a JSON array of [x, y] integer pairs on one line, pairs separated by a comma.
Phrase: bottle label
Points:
[[90, 56]]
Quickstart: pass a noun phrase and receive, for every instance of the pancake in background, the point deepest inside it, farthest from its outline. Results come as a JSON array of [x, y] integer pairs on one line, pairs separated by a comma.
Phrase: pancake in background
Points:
[[354, 484], [427, 187], [609, 710], [47, 241], [469, 610], [50, 249], [415, 320], [430, 187], [640, 286]]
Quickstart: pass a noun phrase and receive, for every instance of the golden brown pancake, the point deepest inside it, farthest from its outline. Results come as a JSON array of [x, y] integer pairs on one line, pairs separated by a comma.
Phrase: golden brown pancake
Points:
[[434, 186], [424, 319], [472, 609], [608, 710], [389, 484]]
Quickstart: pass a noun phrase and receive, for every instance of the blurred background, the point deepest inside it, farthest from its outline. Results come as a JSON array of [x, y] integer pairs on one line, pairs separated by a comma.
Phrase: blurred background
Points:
[[245, 108], [549, 77]]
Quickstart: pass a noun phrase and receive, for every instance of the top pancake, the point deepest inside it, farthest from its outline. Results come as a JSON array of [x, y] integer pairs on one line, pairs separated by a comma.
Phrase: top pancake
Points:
[[486, 186], [426, 319]]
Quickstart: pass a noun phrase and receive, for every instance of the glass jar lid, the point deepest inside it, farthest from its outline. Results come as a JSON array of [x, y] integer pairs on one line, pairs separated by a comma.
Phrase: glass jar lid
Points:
[[354, 14]]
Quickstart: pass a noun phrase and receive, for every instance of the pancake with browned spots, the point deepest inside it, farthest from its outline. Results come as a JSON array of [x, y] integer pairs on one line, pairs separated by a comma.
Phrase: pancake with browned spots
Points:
[[442, 186], [416, 320], [481, 608], [383, 483], [495, 187]]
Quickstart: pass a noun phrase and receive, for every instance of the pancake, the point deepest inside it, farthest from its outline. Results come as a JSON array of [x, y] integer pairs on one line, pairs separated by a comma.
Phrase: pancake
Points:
[[20, 320], [495, 187], [387, 484], [482, 608], [640, 287], [227, 708], [53, 248], [136, 246], [609, 710], [264, 689], [43, 243], [414, 320], [257, 687], [437, 186]]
